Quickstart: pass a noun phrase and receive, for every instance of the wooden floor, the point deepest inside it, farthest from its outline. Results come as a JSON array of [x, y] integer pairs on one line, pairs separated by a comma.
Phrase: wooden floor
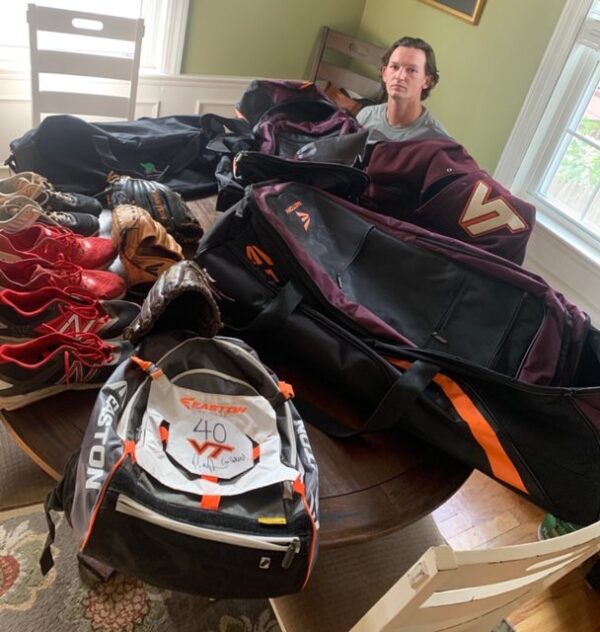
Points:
[[484, 514]]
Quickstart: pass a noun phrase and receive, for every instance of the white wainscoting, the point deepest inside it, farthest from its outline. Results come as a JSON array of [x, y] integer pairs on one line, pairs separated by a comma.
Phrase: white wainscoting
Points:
[[160, 95]]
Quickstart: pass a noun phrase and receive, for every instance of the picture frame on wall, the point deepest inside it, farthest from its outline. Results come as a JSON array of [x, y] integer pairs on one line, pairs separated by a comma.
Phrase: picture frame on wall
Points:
[[468, 10]]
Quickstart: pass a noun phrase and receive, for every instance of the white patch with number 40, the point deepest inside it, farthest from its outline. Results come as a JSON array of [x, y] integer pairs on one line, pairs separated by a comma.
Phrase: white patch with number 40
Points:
[[211, 444], [213, 435]]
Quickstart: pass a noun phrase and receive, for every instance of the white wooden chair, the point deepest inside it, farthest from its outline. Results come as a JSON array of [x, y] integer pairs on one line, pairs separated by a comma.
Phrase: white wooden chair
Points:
[[443, 590], [50, 62], [334, 50]]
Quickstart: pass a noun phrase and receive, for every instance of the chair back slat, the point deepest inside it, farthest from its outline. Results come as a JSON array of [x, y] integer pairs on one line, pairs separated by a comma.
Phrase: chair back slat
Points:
[[51, 96], [347, 48], [473, 590]]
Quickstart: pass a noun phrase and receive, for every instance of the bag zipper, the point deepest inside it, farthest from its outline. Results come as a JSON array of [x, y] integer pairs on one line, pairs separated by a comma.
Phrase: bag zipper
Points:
[[290, 546]]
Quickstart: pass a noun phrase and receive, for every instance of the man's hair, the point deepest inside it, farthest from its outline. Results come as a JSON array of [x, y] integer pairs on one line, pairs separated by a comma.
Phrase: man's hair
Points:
[[430, 65]]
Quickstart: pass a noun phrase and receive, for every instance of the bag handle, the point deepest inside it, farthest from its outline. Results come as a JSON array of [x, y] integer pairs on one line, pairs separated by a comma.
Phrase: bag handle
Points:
[[399, 398]]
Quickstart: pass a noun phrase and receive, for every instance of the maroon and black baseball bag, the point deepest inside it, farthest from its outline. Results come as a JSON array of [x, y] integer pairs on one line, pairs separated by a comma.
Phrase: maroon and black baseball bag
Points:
[[420, 331]]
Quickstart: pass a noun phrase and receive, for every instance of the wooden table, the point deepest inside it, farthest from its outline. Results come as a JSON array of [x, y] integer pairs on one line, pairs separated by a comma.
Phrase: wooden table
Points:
[[369, 486]]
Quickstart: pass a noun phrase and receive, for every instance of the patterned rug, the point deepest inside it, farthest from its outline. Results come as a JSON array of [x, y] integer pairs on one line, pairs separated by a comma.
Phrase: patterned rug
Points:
[[62, 601]]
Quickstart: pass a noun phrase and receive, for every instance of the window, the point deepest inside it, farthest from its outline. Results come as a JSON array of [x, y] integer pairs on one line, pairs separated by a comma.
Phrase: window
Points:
[[162, 47], [553, 155]]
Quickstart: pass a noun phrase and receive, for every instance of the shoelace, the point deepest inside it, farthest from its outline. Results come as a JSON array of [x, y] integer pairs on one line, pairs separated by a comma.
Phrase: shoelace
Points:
[[87, 312], [32, 190], [60, 217], [49, 191], [91, 351], [62, 272], [67, 240]]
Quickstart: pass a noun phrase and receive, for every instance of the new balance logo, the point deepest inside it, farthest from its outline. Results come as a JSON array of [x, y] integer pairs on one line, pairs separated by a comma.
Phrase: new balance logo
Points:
[[216, 449], [74, 324], [483, 215], [77, 372]]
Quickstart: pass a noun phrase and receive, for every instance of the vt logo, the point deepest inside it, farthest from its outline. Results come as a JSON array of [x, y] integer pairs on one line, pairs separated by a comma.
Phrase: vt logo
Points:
[[261, 259], [303, 215], [216, 449], [483, 215]]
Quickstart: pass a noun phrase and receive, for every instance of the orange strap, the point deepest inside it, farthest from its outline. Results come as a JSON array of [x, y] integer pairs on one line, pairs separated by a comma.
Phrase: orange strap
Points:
[[256, 452], [481, 429], [130, 449], [287, 390], [164, 434], [210, 502], [153, 371]]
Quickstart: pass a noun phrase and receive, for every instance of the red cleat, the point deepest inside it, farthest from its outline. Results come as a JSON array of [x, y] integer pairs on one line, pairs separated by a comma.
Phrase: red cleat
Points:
[[33, 274], [53, 243]]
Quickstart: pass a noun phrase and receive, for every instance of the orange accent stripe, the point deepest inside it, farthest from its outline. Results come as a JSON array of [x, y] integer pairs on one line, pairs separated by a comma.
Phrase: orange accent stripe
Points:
[[208, 477], [287, 390], [210, 502], [100, 499], [500, 463], [130, 449], [256, 453], [300, 488], [164, 434]]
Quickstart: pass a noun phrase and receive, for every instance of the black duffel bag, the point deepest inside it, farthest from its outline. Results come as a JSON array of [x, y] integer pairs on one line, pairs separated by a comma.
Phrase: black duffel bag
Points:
[[468, 351], [77, 156]]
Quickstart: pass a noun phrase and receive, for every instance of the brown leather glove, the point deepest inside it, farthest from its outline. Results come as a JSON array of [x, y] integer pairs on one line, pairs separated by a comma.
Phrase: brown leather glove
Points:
[[145, 248], [182, 299], [164, 205]]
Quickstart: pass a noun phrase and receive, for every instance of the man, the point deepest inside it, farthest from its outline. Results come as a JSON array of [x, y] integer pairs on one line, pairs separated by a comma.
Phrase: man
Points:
[[409, 73]]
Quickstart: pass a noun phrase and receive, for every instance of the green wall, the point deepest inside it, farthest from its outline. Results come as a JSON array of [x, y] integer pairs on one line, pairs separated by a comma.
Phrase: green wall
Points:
[[485, 70], [262, 38]]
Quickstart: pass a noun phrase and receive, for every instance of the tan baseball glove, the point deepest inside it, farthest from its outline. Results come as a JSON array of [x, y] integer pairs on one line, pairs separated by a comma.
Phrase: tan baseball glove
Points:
[[145, 248]]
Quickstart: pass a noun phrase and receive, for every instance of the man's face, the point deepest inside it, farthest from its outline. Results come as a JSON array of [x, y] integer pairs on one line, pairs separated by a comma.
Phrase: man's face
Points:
[[404, 76]]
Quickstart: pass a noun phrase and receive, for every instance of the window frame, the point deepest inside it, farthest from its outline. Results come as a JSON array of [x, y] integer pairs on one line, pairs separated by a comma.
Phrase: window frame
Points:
[[545, 115]]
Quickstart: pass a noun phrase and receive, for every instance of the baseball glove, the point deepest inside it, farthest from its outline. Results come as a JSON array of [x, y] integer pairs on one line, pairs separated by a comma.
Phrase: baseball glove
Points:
[[145, 248], [164, 205], [182, 298]]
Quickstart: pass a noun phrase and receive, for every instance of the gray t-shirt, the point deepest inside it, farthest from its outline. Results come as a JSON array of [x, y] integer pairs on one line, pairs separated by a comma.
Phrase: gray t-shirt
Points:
[[374, 118]]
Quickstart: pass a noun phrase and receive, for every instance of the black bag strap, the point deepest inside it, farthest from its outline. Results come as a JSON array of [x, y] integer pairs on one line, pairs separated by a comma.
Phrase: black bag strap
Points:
[[399, 398], [52, 502]]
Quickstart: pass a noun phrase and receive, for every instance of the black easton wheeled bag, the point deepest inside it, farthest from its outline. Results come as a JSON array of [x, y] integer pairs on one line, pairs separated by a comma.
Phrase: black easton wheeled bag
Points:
[[195, 473], [459, 346]]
